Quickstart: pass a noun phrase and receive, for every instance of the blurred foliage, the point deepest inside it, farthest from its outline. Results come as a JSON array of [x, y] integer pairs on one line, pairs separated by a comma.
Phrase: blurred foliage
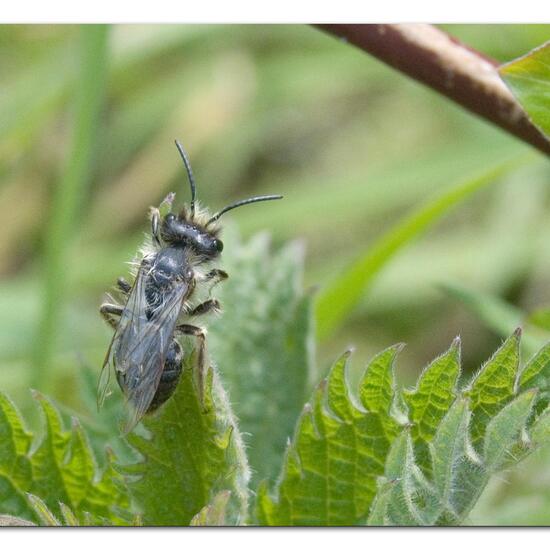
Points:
[[264, 345], [351, 144]]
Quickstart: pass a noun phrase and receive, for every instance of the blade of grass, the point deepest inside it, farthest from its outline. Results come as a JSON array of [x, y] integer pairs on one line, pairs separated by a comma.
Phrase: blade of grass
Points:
[[66, 200], [340, 297]]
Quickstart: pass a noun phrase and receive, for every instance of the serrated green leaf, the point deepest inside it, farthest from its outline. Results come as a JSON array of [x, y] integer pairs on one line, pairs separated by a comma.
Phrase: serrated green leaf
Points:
[[264, 343], [58, 470], [529, 79], [338, 451], [503, 430], [325, 466], [15, 467], [407, 498], [493, 387], [193, 452], [430, 400]]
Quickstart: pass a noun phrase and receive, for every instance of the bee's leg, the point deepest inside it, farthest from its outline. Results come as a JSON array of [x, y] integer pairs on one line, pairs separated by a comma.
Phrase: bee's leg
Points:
[[205, 307], [155, 226], [214, 277], [123, 285], [200, 335], [108, 311]]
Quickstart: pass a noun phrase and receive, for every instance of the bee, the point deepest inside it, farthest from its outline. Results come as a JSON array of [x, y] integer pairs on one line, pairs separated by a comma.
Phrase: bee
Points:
[[145, 353]]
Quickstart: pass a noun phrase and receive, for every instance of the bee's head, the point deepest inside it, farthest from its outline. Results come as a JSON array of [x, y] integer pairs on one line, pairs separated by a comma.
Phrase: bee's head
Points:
[[195, 229], [184, 231]]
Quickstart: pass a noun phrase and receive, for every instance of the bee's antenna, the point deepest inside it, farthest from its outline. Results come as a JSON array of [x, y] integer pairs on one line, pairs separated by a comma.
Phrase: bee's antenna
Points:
[[242, 203], [189, 175]]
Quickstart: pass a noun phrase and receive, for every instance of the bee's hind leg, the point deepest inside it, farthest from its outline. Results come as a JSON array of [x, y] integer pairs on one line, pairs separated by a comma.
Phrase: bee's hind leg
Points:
[[199, 334]]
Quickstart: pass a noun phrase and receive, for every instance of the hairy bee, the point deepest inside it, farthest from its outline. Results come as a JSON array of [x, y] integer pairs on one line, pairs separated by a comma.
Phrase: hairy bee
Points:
[[145, 353]]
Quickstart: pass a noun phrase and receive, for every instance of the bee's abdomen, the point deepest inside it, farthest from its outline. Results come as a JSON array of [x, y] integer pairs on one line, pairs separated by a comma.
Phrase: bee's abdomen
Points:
[[170, 376]]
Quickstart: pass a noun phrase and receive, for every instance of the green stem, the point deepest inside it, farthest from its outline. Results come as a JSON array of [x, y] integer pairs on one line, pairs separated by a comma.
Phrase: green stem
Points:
[[89, 94]]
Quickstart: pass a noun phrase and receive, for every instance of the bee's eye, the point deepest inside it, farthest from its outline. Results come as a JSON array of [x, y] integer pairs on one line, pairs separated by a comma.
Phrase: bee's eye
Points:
[[170, 218], [219, 245]]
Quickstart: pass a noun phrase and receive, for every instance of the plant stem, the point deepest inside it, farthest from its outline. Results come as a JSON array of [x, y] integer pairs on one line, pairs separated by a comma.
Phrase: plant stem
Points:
[[89, 93], [467, 77]]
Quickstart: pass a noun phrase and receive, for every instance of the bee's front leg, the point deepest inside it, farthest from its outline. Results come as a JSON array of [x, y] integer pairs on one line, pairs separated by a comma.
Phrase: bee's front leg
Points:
[[155, 226], [200, 335], [214, 277]]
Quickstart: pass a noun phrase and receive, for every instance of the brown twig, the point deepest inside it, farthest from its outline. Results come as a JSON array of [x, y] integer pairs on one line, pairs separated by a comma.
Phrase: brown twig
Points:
[[464, 75]]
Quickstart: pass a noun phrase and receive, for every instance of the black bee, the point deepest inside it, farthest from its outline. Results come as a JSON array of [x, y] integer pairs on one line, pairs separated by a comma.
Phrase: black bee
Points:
[[144, 352]]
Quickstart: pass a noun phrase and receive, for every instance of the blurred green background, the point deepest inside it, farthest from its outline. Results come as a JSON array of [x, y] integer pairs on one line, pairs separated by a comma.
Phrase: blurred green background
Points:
[[87, 122]]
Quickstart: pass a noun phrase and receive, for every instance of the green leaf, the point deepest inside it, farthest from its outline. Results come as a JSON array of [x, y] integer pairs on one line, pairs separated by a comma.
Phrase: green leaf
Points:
[[412, 500], [430, 400], [264, 343], [448, 449], [529, 79], [57, 468], [504, 430], [338, 451], [351, 463], [493, 386], [193, 451], [15, 467], [340, 297]]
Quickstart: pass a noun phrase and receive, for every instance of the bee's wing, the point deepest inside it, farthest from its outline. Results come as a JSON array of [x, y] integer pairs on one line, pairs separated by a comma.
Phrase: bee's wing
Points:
[[139, 346]]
